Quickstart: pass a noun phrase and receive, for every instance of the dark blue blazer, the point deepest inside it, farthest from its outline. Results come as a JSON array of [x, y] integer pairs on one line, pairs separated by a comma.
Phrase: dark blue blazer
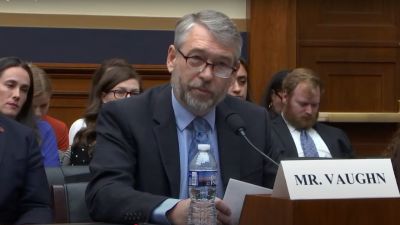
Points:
[[24, 192], [337, 141], [136, 166]]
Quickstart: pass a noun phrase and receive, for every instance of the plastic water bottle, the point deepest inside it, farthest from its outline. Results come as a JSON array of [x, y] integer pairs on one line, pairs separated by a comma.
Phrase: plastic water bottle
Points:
[[202, 187]]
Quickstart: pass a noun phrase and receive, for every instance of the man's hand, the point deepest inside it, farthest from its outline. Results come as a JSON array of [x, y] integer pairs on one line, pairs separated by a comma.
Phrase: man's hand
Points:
[[178, 214], [223, 212]]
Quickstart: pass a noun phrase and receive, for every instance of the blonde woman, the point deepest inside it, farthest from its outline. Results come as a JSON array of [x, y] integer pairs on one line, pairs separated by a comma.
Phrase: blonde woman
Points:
[[41, 103]]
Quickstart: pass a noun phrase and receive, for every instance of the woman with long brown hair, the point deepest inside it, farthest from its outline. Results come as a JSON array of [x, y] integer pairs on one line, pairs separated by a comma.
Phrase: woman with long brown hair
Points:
[[117, 82], [16, 99]]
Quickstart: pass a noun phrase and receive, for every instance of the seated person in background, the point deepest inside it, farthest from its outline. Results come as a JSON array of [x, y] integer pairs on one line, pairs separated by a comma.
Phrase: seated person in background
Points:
[[272, 99], [394, 153], [41, 103], [78, 124], [240, 86], [296, 132], [117, 82], [16, 95], [140, 167], [24, 192]]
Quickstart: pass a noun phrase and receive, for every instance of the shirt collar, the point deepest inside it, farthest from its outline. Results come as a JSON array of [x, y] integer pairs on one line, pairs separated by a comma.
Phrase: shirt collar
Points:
[[292, 128]]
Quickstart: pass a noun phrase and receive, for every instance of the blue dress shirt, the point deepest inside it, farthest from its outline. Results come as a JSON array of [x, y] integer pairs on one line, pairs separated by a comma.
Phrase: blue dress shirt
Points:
[[183, 119]]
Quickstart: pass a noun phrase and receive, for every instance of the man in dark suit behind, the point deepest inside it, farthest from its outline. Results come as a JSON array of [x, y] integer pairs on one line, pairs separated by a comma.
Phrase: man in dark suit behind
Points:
[[301, 98], [140, 161], [24, 192]]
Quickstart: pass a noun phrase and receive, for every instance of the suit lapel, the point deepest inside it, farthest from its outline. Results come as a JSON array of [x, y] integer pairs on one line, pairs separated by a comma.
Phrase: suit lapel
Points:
[[3, 139], [228, 142], [329, 141], [167, 139], [283, 133]]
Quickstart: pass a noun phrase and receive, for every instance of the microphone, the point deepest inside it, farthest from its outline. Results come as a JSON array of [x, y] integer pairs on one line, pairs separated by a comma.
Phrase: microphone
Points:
[[237, 125]]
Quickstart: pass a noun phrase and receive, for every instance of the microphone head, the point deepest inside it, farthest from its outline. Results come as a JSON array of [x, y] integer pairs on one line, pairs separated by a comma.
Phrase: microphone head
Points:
[[236, 123]]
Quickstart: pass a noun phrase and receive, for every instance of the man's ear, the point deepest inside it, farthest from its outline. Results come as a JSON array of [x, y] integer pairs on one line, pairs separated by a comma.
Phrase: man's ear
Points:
[[171, 58]]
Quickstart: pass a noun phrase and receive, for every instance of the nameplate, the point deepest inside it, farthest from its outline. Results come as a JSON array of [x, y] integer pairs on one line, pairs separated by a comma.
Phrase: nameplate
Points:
[[335, 179]]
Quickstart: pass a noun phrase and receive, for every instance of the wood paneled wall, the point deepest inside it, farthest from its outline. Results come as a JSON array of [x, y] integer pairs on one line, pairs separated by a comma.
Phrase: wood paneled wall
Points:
[[353, 45], [272, 41], [71, 84]]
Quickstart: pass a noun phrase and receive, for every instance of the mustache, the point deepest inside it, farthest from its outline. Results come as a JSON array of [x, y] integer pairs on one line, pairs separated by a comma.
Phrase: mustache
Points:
[[199, 84]]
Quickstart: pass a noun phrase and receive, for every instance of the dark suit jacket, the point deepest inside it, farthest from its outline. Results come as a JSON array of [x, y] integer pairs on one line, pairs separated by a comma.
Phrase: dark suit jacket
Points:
[[24, 193], [136, 166], [336, 140]]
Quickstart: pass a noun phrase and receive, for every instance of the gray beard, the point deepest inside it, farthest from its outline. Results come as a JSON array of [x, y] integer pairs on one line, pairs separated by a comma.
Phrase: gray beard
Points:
[[194, 105]]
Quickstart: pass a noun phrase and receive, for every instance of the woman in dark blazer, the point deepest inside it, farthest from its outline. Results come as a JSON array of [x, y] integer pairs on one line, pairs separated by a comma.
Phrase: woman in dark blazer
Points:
[[16, 96], [24, 195]]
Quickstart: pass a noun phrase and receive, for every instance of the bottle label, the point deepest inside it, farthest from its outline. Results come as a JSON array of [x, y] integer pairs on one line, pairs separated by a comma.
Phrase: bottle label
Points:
[[202, 178]]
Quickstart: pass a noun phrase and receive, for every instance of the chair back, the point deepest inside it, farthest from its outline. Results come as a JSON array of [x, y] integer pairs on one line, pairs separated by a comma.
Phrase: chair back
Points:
[[68, 185], [78, 212]]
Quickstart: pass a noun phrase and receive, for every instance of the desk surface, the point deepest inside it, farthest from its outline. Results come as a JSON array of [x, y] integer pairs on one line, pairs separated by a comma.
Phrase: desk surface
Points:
[[359, 117]]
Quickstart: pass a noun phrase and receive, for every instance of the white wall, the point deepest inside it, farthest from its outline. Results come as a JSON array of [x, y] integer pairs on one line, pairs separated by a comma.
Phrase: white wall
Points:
[[235, 9]]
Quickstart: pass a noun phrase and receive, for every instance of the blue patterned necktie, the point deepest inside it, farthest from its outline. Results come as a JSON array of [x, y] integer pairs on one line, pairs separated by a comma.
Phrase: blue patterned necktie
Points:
[[200, 128], [308, 144]]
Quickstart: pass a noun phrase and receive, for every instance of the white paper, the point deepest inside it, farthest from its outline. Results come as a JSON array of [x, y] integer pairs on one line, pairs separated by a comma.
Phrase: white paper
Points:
[[235, 193]]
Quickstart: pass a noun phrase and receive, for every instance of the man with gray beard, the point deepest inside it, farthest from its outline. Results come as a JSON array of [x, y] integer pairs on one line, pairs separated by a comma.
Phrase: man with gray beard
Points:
[[140, 162], [296, 132]]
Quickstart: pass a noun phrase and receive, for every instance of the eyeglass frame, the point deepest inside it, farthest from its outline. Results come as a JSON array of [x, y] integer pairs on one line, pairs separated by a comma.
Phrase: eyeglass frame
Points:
[[206, 64], [126, 93]]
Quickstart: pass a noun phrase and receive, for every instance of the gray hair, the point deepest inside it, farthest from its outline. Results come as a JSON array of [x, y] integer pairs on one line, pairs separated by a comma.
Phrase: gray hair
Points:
[[221, 27]]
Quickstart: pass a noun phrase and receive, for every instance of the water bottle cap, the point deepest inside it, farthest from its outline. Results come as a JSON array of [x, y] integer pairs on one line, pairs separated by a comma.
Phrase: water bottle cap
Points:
[[203, 147]]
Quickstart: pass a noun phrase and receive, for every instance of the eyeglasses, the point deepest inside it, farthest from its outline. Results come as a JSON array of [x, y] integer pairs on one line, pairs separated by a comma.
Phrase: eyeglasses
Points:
[[119, 94], [219, 69]]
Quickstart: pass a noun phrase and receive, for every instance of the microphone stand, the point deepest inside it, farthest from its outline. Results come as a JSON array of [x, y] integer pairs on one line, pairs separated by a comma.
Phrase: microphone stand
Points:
[[243, 134]]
